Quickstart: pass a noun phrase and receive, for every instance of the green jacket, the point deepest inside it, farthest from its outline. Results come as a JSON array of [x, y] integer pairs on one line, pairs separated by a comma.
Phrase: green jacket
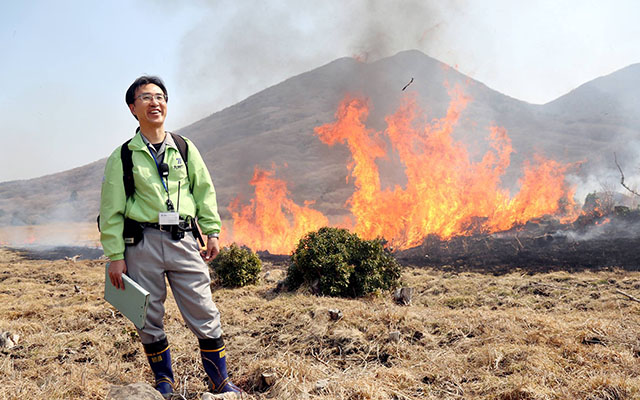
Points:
[[150, 196]]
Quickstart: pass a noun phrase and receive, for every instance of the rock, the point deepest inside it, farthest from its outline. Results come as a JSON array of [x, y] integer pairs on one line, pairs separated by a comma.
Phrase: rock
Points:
[[8, 340], [394, 336], [273, 276], [268, 378], [335, 314], [134, 391], [315, 286], [403, 295], [223, 396], [282, 286]]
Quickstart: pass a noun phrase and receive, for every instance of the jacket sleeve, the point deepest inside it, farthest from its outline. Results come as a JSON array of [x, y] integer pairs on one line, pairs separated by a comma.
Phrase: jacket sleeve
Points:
[[204, 194], [112, 208]]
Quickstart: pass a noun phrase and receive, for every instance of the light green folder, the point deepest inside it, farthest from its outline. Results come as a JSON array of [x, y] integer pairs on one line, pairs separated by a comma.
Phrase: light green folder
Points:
[[132, 302]]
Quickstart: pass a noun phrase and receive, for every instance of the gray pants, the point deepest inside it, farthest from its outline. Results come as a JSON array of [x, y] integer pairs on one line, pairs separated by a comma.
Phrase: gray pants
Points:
[[157, 256]]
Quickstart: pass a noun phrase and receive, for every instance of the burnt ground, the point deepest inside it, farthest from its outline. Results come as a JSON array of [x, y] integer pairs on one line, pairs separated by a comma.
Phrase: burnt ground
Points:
[[58, 252], [489, 254], [592, 242]]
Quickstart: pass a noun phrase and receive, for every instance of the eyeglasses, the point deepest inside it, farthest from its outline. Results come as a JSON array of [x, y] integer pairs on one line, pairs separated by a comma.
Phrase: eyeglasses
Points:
[[147, 97]]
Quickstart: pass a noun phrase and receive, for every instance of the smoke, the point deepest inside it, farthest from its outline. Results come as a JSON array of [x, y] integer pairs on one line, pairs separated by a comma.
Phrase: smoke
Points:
[[240, 48], [384, 27], [600, 173], [605, 229], [604, 181], [64, 217]]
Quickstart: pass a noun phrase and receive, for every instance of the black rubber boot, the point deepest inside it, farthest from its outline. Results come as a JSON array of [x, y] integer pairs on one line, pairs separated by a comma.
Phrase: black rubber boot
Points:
[[215, 364], [159, 358]]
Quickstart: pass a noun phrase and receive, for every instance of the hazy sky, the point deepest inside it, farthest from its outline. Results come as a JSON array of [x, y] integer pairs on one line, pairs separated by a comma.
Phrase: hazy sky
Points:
[[65, 65]]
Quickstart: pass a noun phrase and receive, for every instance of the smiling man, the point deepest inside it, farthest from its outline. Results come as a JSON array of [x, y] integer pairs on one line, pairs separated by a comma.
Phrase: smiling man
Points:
[[155, 186]]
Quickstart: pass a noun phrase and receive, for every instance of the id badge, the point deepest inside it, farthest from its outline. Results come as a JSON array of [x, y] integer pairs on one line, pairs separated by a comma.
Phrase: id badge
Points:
[[168, 218]]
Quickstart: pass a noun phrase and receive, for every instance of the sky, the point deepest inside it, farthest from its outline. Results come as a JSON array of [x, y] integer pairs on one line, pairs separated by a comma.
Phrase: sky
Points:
[[65, 65]]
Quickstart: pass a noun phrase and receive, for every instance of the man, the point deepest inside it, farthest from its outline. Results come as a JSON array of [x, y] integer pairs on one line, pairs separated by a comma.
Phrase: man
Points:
[[157, 219]]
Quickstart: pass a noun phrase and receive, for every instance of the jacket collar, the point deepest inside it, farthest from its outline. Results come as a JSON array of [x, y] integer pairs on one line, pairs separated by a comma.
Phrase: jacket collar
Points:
[[138, 142]]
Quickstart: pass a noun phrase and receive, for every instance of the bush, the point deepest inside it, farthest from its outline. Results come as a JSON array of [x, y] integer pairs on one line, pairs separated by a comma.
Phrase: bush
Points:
[[335, 262], [236, 266]]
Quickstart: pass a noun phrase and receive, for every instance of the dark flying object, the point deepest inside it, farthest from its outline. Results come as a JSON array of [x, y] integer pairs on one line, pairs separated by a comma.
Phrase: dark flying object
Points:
[[407, 85]]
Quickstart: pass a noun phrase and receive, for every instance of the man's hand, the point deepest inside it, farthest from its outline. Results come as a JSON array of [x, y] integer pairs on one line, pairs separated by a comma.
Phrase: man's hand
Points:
[[213, 248], [116, 269]]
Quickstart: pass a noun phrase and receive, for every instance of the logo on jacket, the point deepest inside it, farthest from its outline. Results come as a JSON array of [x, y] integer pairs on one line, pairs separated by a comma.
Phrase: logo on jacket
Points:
[[179, 164]]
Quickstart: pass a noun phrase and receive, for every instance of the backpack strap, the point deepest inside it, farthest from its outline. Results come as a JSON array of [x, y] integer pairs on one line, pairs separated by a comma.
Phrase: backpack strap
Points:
[[183, 148], [127, 169]]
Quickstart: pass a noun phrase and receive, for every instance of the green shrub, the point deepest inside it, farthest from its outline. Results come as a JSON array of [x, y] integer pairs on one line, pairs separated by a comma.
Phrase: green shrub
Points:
[[236, 266], [335, 262]]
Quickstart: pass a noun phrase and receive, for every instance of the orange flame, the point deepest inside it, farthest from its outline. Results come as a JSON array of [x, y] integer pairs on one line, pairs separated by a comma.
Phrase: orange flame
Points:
[[271, 221], [31, 238], [446, 193]]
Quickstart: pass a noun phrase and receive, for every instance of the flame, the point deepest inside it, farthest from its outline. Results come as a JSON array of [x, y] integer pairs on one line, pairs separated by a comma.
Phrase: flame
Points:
[[446, 193], [31, 238], [272, 221]]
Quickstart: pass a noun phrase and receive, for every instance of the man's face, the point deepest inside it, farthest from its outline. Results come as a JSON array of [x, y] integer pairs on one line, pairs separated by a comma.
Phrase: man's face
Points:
[[152, 112]]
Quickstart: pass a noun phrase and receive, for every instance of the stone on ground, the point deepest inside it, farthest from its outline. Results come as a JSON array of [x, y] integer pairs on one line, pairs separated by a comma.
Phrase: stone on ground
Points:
[[134, 391]]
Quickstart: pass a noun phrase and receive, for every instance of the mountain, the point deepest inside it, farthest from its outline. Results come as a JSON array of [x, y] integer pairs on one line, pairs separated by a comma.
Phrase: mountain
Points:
[[599, 118], [613, 97], [275, 128]]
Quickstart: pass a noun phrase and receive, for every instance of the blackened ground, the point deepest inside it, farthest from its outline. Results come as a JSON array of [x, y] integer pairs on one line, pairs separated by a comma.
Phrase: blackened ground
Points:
[[484, 253], [592, 242], [275, 259], [58, 252]]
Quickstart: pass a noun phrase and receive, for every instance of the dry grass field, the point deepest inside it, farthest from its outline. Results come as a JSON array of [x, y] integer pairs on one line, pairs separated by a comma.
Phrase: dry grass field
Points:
[[465, 336]]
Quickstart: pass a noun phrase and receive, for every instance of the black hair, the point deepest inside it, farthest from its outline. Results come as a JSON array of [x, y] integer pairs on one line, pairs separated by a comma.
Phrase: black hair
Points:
[[143, 80]]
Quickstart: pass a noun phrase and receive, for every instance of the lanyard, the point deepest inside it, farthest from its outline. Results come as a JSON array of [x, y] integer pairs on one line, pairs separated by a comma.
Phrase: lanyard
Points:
[[166, 189]]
